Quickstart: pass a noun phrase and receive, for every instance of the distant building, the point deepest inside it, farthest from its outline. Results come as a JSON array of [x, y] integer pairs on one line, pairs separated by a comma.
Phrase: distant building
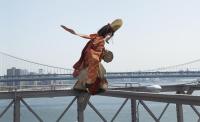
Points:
[[32, 73], [41, 71], [16, 72]]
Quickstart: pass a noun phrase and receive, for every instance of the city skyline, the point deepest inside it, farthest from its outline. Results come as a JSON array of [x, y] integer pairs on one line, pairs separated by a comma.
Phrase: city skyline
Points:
[[14, 71]]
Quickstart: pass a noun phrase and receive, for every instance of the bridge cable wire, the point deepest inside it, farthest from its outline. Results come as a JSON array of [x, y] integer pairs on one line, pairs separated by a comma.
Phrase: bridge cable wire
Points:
[[173, 66], [33, 62], [50, 66]]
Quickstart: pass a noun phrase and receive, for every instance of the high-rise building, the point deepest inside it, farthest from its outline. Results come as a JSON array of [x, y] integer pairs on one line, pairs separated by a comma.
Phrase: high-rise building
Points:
[[16, 72]]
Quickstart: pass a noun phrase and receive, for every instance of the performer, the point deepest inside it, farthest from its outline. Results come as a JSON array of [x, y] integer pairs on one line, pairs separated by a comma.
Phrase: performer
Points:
[[89, 70]]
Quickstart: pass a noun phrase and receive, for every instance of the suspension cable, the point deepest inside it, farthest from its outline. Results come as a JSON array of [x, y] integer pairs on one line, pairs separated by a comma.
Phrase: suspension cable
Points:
[[32, 61], [177, 65]]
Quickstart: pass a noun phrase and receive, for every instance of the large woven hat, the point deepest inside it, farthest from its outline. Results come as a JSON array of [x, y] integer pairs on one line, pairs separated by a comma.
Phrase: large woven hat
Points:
[[116, 24], [110, 28]]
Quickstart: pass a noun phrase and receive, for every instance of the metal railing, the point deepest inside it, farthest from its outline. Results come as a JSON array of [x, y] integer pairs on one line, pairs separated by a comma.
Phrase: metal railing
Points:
[[136, 95]]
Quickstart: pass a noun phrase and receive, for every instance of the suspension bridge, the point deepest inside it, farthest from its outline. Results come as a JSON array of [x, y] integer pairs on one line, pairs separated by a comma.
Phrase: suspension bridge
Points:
[[21, 79], [15, 69]]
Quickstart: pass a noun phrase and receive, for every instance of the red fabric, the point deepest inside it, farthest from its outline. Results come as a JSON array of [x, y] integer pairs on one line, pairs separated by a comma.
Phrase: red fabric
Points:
[[93, 89], [90, 58]]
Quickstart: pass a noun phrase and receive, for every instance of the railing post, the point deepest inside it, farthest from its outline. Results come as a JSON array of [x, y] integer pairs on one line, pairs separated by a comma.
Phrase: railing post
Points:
[[179, 111], [16, 111], [179, 108], [133, 110], [82, 101]]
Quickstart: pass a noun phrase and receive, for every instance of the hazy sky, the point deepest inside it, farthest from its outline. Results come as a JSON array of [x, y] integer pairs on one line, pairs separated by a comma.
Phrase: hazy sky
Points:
[[155, 33]]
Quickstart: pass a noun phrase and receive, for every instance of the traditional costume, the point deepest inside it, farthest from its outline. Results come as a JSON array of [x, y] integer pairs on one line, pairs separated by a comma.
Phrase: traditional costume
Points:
[[89, 70]]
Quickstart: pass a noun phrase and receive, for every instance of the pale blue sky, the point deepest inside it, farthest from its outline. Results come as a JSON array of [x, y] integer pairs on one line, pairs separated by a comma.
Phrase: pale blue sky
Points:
[[155, 33]]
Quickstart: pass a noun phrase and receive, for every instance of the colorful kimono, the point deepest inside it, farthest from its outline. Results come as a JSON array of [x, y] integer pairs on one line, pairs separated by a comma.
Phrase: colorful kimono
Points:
[[88, 69]]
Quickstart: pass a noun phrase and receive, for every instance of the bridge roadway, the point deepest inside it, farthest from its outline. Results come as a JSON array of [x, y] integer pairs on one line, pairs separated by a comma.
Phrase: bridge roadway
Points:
[[111, 75]]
